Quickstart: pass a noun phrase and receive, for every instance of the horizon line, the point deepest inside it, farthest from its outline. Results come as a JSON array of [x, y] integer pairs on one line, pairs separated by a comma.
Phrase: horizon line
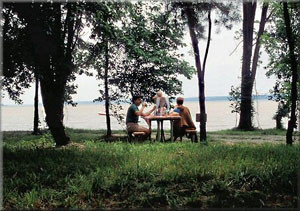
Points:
[[210, 98]]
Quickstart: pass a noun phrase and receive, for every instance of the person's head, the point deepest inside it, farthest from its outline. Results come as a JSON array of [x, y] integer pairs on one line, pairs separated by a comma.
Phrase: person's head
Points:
[[179, 100], [137, 99], [159, 94]]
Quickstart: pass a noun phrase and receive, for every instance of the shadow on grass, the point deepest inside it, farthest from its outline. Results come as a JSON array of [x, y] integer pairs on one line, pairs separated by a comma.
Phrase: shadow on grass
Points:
[[52, 167], [93, 174]]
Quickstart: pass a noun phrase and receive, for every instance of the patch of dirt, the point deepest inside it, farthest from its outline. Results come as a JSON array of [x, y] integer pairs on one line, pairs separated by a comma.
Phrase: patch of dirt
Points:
[[114, 137], [231, 139], [72, 144]]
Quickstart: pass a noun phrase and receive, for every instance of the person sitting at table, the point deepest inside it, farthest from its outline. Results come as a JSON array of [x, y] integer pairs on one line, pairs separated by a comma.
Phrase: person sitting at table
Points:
[[162, 103], [186, 121], [133, 114]]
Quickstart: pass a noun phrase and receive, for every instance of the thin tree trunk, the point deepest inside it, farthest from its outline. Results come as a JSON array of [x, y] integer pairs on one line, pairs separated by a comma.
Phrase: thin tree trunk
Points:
[[208, 42], [291, 43], [191, 23], [298, 122], [36, 108], [298, 101], [261, 30], [107, 92], [247, 84]]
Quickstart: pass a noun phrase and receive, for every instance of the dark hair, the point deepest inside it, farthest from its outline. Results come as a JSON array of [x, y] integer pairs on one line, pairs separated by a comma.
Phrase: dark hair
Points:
[[134, 98], [179, 100]]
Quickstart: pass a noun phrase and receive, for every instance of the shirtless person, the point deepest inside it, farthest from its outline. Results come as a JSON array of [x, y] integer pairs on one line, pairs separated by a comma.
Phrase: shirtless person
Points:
[[162, 103]]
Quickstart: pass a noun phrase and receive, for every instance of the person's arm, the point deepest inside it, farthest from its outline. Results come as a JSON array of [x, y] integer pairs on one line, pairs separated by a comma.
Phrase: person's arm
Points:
[[140, 112], [149, 112]]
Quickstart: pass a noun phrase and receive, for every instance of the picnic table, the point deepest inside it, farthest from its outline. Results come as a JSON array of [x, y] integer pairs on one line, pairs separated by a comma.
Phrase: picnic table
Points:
[[160, 135]]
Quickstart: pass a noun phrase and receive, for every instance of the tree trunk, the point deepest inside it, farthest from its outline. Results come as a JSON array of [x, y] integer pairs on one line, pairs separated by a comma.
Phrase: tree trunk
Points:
[[107, 92], [247, 84], [53, 58], [36, 108], [191, 23], [52, 96], [278, 122], [291, 43], [298, 119], [261, 30]]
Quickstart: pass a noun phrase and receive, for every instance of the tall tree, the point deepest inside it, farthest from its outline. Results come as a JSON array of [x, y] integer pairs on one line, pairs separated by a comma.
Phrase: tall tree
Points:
[[51, 30], [103, 51], [279, 66], [250, 62], [192, 22], [18, 67], [193, 12], [293, 61]]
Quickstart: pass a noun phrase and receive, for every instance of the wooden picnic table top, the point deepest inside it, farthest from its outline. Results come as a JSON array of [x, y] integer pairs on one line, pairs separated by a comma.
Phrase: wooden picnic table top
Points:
[[153, 117]]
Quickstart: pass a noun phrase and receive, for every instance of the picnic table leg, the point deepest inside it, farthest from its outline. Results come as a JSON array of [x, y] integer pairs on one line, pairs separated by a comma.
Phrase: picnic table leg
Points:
[[172, 123], [162, 132], [158, 131]]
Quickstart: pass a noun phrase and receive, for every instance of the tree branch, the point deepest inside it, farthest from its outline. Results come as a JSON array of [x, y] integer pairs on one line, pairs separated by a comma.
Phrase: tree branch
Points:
[[259, 34], [235, 48], [208, 42]]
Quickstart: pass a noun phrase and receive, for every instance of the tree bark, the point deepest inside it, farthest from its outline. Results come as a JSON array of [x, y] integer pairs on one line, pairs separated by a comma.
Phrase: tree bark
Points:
[[208, 41], [291, 43], [245, 122], [298, 119], [278, 122], [53, 100], [36, 108], [261, 30], [192, 23], [107, 101]]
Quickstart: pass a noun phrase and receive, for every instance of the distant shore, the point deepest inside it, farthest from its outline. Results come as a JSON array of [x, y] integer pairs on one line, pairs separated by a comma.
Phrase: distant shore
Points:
[[188, 99]]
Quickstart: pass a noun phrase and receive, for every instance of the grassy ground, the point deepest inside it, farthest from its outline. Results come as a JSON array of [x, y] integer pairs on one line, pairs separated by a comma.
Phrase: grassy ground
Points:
[[91, 173]]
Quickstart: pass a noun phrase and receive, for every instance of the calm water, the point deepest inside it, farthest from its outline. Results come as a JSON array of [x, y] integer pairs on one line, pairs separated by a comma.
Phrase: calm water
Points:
[[85, 116]]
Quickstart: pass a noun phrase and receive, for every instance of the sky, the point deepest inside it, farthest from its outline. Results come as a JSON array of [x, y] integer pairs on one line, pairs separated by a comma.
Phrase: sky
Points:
[[223, 70]]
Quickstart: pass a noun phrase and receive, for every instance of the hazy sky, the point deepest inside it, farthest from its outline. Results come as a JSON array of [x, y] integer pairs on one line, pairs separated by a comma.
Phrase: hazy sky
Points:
[[222, 70]]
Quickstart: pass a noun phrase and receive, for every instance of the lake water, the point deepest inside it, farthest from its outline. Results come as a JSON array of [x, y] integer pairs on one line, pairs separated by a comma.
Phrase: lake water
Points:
[[85, 116]]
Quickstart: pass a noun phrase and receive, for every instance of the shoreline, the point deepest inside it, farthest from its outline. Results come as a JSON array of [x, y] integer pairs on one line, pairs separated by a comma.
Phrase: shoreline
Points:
[[188, 99]]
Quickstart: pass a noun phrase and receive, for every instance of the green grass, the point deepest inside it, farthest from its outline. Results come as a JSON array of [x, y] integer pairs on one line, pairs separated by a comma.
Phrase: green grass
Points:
[[95, 174]]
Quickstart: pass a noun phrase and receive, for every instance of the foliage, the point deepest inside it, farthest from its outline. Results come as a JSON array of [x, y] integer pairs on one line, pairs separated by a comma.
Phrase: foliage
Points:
[[149, 55], [17, 61], [276, 45], [93, 174], [50, 34], [137, 43], [235, 97], [226, 13]]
